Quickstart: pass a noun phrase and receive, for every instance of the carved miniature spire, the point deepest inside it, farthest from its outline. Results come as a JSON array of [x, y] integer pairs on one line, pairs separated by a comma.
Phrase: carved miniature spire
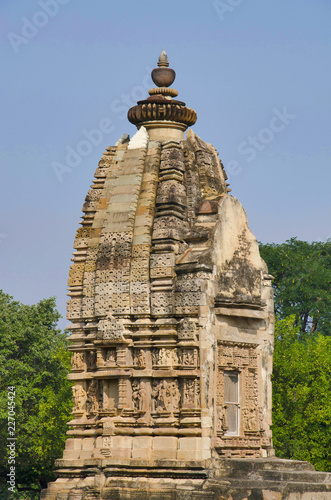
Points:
[[161, 110]]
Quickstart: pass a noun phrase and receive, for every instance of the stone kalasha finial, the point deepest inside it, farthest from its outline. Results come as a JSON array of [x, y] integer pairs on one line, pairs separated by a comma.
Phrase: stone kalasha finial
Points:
[[163, 76], [163, 59], [160, 110]]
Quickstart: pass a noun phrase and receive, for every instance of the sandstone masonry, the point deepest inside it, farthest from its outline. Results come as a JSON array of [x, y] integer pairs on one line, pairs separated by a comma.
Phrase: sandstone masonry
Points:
[[172, 329]]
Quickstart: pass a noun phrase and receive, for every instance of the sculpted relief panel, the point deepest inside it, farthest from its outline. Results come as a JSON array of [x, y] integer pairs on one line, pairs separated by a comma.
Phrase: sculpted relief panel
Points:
[[96, 397], [139, 358], [78, 361], [191, 393], [92, 403], [79, 398], [166, 396], [181, 358], [110, 357], [164, 357]]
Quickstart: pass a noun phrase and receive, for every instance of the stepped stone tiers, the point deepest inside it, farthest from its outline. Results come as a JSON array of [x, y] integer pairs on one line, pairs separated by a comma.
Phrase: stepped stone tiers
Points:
[[172, 329]]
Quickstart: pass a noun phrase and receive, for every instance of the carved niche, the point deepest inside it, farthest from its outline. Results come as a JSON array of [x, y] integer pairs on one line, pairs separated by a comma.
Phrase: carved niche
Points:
[[110, 397], [164, 357], [237, 401], [78, 361], [110, 357], [188, 358], [91, 360], [191, 393], [92, 402], [139, 358]]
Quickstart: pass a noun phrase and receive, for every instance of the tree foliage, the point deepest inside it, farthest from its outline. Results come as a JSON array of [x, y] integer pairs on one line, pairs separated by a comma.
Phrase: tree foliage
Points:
[[302, 273], [302, 356], [301, 395], [34, 359]]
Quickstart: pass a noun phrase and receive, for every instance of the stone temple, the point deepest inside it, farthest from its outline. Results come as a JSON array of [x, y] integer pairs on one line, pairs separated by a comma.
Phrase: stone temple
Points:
[[172, 328]]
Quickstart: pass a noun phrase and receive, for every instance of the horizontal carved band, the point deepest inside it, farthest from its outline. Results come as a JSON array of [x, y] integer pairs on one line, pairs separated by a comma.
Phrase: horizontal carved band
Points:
[[163, 91], [160, 112]]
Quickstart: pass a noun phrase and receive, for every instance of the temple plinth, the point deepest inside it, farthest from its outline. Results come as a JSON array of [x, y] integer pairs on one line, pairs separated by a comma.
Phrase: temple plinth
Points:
[[172, 327]]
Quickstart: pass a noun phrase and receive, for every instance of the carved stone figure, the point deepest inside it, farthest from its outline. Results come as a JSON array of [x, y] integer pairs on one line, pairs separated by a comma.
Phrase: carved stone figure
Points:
[[101, 385], [174, 357], [139, 396], [111, 357], [135, 395], [79, 397], [139, 358], [159, 396], [222, 423], [91, 359], [106, 441], [189, 392], [188, 357], [92, 404], [166, 396], [155, 357], [164, 357], [174, 395], [142, 397], [77, 361], [250, 419]]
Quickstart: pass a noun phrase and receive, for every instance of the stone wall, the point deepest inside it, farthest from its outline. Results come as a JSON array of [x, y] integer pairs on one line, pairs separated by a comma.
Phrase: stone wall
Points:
[[168, 295]]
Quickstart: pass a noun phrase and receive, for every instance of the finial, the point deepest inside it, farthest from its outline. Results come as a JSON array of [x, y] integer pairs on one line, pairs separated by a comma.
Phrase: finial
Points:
[[163, 59], [163, 76], [162, 115]]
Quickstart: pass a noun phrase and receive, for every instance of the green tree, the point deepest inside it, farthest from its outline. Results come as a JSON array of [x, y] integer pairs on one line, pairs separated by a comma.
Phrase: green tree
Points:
[[34, 359], [301, 395], [302, 273]]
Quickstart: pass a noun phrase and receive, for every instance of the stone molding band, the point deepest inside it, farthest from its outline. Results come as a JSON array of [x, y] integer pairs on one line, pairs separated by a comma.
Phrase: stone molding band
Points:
[[162, 112], [167, 91]]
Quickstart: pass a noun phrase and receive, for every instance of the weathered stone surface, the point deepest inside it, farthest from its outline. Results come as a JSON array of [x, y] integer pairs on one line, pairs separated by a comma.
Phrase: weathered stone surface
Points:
[[172, 336]]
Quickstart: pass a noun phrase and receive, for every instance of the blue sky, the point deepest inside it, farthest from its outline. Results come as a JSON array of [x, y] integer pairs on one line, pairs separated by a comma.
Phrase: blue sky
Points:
[[257, 73]]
